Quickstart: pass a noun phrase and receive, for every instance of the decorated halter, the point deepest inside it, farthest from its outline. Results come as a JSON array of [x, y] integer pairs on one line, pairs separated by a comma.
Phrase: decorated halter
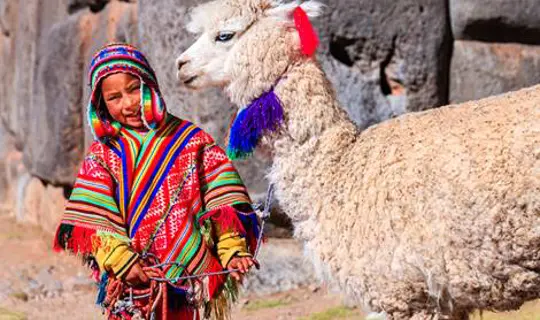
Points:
[[116, 58], [265, 114]]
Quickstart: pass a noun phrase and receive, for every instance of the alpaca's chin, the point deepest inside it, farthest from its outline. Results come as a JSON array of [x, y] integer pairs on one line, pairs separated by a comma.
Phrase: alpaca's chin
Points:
[[190, 82], [197, 83]]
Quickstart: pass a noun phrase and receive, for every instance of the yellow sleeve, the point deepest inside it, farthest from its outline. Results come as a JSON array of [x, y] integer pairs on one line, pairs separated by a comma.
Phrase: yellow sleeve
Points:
[[230, 244], [113, 254]]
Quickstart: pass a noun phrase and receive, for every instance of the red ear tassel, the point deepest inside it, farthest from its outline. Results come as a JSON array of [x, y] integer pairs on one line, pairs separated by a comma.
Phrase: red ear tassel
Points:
[[308, 38]]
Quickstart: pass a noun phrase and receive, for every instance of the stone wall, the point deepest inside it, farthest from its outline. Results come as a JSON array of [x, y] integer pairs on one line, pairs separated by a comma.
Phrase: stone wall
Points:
[[496, 48], [384, 57]]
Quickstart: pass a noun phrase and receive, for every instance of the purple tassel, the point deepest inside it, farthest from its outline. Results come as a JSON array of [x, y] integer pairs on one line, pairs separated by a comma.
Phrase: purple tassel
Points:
[[262, 115]]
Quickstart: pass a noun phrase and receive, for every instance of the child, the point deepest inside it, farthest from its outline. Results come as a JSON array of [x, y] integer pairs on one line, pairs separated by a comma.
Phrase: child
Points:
[[155, 199]]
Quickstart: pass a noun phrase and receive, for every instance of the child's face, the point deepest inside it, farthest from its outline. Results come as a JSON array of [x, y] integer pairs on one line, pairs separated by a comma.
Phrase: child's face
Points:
[[122, 96]]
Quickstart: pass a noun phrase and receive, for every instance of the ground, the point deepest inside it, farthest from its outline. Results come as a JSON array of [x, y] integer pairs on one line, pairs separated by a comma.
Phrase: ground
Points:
[[35, 283]]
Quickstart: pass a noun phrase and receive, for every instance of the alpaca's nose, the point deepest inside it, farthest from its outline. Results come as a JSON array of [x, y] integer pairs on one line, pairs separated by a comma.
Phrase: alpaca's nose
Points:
[[180, 63]]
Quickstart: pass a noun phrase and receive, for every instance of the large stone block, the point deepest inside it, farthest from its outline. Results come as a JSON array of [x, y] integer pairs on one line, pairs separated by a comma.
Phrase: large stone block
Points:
[[386, 57], [496, 20], [57, 126], [483, 69], [55, 146], [21, 60], [7, 51], [34, 20]]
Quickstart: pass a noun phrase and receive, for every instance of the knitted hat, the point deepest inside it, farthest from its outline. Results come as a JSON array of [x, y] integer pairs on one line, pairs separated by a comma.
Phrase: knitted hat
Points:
[[124, 58]]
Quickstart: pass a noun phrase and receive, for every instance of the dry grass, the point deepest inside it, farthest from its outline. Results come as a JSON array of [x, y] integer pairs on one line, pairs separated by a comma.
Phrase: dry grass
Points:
[[339, 312], [6, 314], [266, 304]]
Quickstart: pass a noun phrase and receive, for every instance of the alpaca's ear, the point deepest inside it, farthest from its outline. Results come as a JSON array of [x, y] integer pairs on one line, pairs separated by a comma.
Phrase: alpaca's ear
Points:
[[313, 8], [284, 11], [194, 24]]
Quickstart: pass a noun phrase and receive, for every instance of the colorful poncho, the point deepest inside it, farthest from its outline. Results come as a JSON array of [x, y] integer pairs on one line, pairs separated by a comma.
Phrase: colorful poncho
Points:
[[170, 193]]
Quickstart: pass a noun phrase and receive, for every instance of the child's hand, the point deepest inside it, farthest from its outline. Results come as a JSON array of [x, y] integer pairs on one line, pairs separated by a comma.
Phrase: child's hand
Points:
[[136, 276], [243, 264]]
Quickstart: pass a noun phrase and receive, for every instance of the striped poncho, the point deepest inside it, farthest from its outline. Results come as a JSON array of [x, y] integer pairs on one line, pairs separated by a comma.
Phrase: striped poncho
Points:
[[170, 193]]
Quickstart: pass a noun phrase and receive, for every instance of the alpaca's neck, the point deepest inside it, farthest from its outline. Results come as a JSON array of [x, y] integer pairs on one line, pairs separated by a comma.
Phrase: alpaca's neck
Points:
[[314, 125], [309, 103]]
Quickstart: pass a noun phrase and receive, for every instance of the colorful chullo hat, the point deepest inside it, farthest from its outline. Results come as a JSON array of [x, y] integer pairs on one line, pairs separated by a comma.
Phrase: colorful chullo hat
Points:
[[125, 58]]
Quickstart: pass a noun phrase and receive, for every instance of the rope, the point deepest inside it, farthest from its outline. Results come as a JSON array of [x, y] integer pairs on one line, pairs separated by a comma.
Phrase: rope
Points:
[[126, 308], [163, 219]]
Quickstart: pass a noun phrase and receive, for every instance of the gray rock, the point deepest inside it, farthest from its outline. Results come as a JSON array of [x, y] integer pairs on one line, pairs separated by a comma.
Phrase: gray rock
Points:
[[21, 61], [57, 127], [496, 20], [7, 28], [386, 57], [482, 69], [44, 52], [40, 204], [4, 150], [13, 174], [283, 267], [56, 147], [29, 21], [33, 289]]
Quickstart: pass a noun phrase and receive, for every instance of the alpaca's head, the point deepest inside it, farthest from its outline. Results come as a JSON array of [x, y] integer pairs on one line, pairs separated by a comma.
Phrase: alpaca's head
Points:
[[244, 46]]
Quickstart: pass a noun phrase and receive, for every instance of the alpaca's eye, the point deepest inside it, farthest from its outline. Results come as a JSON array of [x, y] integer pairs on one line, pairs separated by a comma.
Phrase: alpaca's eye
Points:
[[224, 36]]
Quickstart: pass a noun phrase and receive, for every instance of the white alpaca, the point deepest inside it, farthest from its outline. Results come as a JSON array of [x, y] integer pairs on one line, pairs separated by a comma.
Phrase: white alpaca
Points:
[[427, 216]]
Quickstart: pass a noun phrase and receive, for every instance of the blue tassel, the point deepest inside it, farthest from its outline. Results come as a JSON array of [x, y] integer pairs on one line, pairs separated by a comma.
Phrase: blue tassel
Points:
[[102, 288], [178, 297], [241, 144], [251, 222], [253, 229], [261, 116]]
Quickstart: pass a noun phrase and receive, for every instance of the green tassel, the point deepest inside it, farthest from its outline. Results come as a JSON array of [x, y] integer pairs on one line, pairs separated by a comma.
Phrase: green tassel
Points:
[[207, 232]]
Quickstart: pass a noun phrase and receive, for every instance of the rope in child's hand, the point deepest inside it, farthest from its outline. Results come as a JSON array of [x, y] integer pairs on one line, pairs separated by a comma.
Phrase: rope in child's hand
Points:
[[156, 292], [264, 218]]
